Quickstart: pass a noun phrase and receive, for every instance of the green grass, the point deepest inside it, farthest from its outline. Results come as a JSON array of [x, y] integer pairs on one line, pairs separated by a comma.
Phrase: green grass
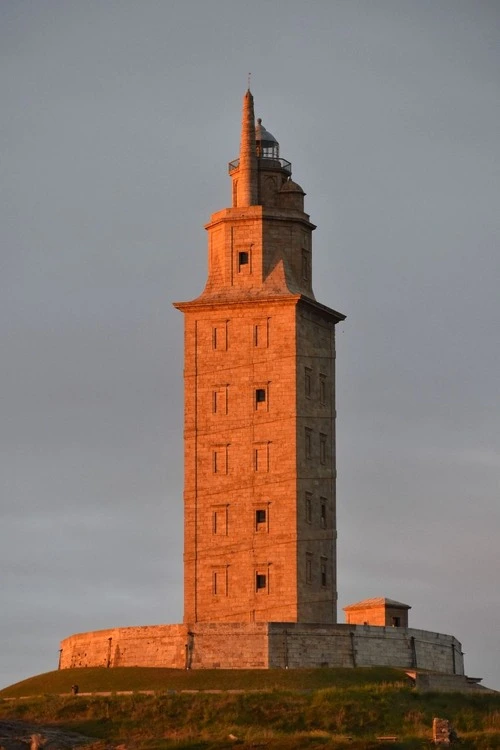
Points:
[[294, 710], [141, 678]]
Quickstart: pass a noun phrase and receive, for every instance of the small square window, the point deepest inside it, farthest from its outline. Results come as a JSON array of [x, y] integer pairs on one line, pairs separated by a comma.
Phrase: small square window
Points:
[[260, 395], [260, 581], [243, 259], [396, 622]]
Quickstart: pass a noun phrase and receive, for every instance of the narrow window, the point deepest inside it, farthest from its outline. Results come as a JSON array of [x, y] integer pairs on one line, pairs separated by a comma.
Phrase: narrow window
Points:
[[308, 567], [308, 442], [324, 581], [261, 333], [260, 581], [214, 522], [243, 259], [219, 459], [308, 507], [260, 395], [219, 399], [219, 581], [260, 519], [322, 389], [323, 513], [322, 449], [307, 382], [219, 336], [261, 457], [306, 265]]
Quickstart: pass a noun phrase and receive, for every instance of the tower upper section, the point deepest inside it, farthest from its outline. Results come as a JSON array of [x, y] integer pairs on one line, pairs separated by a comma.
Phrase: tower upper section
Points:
[[261, 246]]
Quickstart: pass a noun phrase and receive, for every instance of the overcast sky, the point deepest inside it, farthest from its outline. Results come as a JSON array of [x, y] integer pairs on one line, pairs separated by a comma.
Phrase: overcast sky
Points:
[[118, 120]]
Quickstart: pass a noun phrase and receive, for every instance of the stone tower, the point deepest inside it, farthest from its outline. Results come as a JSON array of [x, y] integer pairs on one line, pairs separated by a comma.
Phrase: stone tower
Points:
[[259, 353]]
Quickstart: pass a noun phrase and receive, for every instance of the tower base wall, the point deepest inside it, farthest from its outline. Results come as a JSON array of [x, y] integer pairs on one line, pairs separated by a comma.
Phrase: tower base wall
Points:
[[266, 645]]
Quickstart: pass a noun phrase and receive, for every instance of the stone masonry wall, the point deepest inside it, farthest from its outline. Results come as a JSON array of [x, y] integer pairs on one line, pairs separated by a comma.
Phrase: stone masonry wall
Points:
[[263, 645], [142, 646]]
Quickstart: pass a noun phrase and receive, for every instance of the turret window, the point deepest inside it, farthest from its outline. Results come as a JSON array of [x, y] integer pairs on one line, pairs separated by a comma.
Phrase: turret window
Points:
[[306, 265]]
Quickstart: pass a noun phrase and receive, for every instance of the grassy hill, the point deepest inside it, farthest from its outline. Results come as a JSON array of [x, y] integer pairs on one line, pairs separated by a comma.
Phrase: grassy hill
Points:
[[276, 710]]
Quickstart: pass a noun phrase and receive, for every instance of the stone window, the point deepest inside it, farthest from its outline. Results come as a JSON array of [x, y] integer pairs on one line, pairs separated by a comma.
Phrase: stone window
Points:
[[323, 572], [219, 459], [243, 260], [322, 389], [260, 581], [309, 507], [306, 265], [322, 517], [308, 567], [260, 519], [219, 581], [261, 457], [396, 622], [219, 399], [261, 402], [220, 520], [261, 333], [219, 336], [322, 449], [308, 442], [307, 382]]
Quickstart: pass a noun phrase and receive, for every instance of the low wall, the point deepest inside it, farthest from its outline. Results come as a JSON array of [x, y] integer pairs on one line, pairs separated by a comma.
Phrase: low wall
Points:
[[295, 645], [261, 646]]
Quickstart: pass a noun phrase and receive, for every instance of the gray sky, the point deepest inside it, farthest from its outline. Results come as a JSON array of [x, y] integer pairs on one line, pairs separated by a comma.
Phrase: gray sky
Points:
[[118, 120]]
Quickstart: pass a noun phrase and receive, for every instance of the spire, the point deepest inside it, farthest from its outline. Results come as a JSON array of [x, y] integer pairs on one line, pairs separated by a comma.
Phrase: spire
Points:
[[247, 179]]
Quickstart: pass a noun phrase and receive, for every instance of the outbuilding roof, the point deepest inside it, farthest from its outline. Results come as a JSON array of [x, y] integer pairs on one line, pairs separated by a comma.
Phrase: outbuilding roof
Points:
[[379, 601]]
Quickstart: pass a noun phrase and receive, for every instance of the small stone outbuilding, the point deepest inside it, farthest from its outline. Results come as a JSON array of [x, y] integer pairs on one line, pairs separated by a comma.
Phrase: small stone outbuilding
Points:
[[378, 611]]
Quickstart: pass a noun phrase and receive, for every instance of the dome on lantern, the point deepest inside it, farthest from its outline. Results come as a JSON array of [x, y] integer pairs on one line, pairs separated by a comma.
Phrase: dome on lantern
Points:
[[267, 145]]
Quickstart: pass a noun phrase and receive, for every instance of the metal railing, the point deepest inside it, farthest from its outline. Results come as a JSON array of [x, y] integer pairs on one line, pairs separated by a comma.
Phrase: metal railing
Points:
[[265, 163]]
